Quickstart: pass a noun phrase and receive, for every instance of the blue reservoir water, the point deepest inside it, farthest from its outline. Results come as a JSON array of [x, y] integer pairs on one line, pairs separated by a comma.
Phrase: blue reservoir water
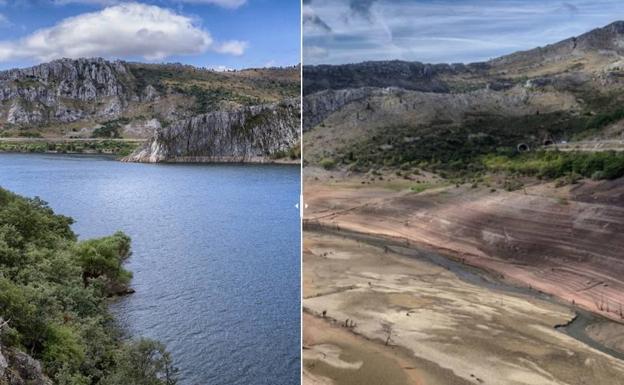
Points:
[[215, 255]]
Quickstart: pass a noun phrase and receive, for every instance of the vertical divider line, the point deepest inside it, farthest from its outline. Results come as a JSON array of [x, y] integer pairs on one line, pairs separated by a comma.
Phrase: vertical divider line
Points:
[[301, 196]]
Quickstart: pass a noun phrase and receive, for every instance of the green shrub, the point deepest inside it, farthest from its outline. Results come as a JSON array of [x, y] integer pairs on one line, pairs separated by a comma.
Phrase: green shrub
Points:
[[327, 163], [103, 258], [53, 315], [554, 164], [62, 346]]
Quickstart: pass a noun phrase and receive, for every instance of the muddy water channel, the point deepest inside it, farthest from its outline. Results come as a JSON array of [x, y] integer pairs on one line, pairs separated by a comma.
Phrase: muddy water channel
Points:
[[576, 328]]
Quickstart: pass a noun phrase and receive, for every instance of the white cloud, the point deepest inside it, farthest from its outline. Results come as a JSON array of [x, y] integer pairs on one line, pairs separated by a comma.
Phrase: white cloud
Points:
[[128, 30], [88, 2], [222, 3], [221, 68], [314, 52], [232, 4], [232, 47], [343, 31]]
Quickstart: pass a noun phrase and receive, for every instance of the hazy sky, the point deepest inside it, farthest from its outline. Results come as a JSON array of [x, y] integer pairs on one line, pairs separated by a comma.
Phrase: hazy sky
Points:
[[208, 33], [435, 31]]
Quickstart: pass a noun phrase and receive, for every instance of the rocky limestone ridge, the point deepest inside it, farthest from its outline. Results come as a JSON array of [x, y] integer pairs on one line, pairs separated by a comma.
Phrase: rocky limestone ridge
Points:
[[74, 97], [65, 90], [247, 134], [319, 105], [396, 73], [392, 106], [603, 46]]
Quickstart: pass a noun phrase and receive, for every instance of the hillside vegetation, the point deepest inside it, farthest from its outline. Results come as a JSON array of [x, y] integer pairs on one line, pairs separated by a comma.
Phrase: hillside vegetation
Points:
[[53, 300], [507, 115]]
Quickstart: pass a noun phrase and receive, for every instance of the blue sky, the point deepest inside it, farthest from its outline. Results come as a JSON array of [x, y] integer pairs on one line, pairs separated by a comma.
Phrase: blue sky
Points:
[[208, 33], [442, 31]]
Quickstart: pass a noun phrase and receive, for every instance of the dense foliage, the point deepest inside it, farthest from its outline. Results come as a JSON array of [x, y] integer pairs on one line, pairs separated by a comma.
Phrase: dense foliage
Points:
[[457, 148], [53, 292], [485, 142], [293, 153], [110, 129]]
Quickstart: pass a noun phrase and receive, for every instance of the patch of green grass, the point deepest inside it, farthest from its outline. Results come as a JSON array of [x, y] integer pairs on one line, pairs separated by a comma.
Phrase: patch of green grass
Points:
[[327, 163], [208, 98], [557, 164], [420, 187]]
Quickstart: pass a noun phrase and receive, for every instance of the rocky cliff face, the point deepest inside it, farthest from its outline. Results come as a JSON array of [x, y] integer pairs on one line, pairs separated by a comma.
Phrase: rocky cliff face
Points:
[[247, 134], [17, 368], [321, 104], [64, 91]]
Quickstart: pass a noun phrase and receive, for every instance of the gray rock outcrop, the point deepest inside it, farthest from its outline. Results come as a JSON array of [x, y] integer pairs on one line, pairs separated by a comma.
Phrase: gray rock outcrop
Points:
[[18, 368], [246, 134], [64, 91]]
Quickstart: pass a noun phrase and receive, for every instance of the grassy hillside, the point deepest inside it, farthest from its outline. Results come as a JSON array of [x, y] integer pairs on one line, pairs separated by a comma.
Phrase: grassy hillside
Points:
[[211, 88]]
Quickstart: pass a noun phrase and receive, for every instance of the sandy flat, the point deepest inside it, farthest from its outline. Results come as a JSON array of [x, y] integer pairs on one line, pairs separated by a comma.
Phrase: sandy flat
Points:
[[448, 330]]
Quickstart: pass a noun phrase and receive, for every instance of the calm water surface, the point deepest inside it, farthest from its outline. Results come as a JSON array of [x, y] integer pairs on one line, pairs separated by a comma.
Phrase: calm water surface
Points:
[[215, 255]]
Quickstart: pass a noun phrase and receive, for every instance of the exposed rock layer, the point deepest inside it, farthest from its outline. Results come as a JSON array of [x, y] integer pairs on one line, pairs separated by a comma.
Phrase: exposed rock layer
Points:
[[18, 368], [569, 246]]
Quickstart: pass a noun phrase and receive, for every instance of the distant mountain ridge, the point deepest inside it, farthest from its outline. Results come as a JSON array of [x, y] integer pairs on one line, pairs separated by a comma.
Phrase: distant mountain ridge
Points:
[[396, 73], [607, 41], [395, 112]]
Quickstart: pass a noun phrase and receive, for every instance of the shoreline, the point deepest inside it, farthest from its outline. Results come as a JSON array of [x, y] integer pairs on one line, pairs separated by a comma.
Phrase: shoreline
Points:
[[215, 160], [120, 148], [117, 158]]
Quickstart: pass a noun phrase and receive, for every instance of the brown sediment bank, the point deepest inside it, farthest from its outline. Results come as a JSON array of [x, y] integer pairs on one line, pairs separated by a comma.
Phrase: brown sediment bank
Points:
[[563, 241]]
